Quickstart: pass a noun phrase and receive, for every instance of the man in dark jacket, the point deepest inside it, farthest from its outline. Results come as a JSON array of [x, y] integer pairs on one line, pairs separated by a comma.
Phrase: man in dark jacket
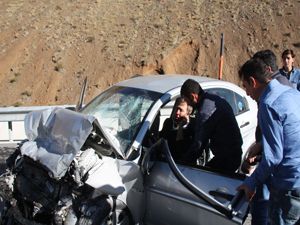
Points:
[[177, 129], [215, 125]]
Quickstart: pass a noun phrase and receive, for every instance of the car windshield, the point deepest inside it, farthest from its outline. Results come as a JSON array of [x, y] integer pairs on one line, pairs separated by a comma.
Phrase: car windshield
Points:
[[120, 111]]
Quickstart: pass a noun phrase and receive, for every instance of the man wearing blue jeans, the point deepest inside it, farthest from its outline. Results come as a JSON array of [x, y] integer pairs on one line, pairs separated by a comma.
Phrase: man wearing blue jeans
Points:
[[260, 202], [279, 120]]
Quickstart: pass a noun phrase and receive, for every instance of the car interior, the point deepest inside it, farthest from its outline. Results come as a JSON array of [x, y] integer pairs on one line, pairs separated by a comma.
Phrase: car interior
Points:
[[237, 102]]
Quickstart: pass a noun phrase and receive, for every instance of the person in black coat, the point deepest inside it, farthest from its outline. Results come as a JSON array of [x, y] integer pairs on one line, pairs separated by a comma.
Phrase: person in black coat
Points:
[[215, 126], [177, 129]]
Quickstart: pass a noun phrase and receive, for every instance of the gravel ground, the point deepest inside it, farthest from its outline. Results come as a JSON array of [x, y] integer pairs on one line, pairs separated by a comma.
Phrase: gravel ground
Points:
[[6, 150]]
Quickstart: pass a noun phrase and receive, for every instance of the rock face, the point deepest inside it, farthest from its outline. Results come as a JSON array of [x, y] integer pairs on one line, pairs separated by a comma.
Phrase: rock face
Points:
[[48, 47]]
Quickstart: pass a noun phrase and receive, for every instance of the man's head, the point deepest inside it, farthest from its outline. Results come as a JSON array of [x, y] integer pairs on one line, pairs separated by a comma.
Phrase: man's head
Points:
[[287, 57], [255, 76], [268, 57], [182, 110], [192, 90]]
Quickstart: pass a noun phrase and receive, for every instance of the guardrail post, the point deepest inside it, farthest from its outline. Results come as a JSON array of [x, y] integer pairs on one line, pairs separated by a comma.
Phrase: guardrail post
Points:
[[10, 136]]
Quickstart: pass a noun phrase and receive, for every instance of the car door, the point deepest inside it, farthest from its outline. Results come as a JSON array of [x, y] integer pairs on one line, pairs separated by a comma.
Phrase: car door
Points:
[[171, 202]]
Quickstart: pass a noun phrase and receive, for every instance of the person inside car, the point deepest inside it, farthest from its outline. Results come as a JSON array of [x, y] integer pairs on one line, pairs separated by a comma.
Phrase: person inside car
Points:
[[177, 129], [215, 124]]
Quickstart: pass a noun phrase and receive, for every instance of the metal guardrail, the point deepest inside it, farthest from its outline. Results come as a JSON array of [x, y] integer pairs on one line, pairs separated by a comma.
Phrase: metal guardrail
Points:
[[12, 121]]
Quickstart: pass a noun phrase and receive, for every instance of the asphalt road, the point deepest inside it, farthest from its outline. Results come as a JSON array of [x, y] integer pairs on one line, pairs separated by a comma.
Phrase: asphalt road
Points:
[[7, 149]]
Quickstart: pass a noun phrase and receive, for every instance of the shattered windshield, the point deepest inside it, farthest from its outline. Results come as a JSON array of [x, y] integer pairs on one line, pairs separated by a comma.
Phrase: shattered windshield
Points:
[[120, 111]]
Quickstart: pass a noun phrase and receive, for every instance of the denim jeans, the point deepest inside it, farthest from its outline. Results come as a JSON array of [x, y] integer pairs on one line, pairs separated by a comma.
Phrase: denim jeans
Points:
[[285, 207], [259, 206]]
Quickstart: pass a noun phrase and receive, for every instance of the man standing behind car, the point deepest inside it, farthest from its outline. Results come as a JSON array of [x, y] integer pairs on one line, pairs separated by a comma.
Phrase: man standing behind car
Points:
[[279, 120], [288, 70], [215, 126]]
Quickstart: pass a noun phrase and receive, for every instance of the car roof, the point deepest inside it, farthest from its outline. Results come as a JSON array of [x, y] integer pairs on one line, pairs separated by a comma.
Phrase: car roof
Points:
[[164, 83]]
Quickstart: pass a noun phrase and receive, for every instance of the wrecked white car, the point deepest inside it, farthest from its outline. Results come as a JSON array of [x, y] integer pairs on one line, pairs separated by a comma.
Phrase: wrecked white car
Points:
[[99, 166]]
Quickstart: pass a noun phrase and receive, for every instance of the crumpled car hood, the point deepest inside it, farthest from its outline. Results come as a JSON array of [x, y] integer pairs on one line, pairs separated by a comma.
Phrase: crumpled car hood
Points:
[[55, 137]]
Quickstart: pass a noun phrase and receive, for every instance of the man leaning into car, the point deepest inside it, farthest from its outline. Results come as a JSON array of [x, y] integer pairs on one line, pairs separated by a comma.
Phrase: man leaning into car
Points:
[[215, 126]]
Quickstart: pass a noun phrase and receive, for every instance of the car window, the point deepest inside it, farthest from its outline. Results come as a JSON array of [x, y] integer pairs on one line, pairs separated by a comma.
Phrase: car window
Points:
[[120, 111], [241, 103], [237, 102]]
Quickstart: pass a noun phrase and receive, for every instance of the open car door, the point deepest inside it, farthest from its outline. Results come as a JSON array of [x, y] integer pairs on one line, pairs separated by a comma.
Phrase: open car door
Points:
[[205, 197]]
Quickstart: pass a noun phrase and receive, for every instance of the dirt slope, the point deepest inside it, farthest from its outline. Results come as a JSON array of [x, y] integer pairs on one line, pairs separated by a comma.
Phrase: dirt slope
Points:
[[48, 47]]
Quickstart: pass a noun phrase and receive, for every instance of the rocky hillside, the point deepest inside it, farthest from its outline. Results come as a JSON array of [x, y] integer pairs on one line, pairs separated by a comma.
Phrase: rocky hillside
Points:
[[48, 47]]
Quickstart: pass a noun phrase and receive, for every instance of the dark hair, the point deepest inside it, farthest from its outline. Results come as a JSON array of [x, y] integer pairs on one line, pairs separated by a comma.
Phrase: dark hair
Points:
[[268, 57], [287, 52], [191, 86], [256, 68]]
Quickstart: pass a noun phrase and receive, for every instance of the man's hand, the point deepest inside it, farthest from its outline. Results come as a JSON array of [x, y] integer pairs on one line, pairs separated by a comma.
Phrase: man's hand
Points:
[[248, 192], [252, 158], [247, 167], [181, 121], [254, 150]]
